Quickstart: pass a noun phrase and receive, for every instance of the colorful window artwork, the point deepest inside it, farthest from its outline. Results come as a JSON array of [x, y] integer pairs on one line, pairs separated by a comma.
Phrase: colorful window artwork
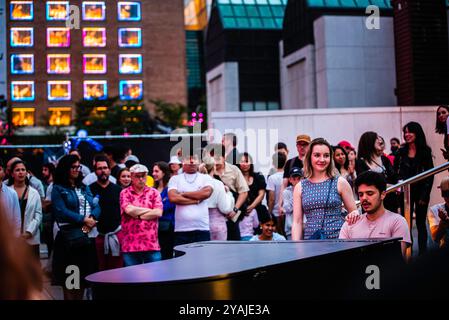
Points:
[[95, 89], [130, 63], [94, 10], [129, 37], [58, 63], [21, 10], [59, 116], [22, 90], [57, 10], [128, 11], [131, 89], [22, 37], [22, 63], [58, 37], [94, 37], [94, 63], [59, 90], [23, 117]]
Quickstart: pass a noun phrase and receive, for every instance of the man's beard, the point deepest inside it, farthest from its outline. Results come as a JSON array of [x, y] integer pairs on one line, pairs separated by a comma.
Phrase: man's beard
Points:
[[103, 178], [374, 209]]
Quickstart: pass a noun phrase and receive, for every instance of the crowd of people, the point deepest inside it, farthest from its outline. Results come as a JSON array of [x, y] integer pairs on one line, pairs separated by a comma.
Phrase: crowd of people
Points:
[[124, 213]]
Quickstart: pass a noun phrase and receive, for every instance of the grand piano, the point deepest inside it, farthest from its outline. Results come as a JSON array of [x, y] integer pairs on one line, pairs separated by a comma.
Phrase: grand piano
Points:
[[316, 269]]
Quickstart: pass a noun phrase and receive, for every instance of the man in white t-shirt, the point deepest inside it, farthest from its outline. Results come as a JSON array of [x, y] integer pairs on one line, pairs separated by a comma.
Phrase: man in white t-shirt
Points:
[[188, 191], [376, 222], [438, 216], [274, 185]]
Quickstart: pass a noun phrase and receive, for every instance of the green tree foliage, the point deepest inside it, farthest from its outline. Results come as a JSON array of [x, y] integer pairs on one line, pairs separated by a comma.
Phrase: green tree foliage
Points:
[[173, 114]]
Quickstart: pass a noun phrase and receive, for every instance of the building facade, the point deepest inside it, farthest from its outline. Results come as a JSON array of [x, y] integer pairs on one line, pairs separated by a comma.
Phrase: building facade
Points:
[[64, 52]]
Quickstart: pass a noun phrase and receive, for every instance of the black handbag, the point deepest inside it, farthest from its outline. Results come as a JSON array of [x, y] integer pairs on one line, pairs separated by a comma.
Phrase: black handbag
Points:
[[319, 234]]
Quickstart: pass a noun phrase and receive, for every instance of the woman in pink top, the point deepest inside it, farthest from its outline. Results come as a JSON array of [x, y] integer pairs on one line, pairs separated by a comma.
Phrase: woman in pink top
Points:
[[141, 207]]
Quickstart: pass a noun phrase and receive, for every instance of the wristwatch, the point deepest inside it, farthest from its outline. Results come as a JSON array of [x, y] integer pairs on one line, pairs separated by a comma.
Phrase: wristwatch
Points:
[[235, 209]]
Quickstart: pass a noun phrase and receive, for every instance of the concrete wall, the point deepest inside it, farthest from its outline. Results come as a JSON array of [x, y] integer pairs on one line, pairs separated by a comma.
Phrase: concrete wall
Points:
[[332, 124], [298, 81], [3, 46], [223, 88], [354, 66]]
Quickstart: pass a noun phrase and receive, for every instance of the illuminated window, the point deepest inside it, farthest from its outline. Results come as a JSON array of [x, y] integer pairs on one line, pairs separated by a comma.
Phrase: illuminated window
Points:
[[94, 63], [59, 90], [94, 10], [22, 63], [130, 63], [95, 89], [22, 37], [129, 37], [131, 89], [58, 63], [22, 90], [57, 10], [23, 117], [99, 112], [128, 11], [58, 37], [60, 116], [94, 37], [21, 10]]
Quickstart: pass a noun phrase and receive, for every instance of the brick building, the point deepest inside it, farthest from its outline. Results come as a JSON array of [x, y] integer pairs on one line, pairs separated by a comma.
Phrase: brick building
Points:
[[131, 49]]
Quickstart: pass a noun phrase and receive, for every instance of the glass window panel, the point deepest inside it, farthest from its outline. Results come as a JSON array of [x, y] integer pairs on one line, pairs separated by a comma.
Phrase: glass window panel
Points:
[[131, 89], [21, 10], [59, 116], [242, 23], [275, 2], [239, 11], [269, 23], [129, 37], [332, 3], [23, 117], [22, 64], [261, 1], [252, 11], [273, 105], [95, 89], [58, 63], [279, 22], [130, 63], [22, 91], [278, 11], [128, 11], [316, 3], [57, 10], [94, 10], [348, 3], [226, 11], [247, 106], [94, 37], [22, 37], [265, 11], [256, 23], [260, 105], [236, 1], [223, 1], [249, 1], [229, 23], [58, 37], [59, 90], [94, 63]]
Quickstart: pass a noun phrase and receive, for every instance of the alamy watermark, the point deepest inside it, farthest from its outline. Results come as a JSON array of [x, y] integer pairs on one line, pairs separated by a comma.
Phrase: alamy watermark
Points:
[[372, 22], [372, 282]]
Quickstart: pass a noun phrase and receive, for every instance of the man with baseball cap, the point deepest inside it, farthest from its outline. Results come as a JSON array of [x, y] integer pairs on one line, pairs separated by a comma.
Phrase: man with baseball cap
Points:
[[438, 216], [302, 145], [141, 206]]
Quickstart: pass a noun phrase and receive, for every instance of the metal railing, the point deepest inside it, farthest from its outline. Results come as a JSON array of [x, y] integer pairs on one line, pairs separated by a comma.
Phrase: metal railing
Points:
[[405, 185]]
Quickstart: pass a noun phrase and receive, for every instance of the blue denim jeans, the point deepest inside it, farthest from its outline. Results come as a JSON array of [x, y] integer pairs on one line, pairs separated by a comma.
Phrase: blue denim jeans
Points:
[[140, 257], [191, 236]]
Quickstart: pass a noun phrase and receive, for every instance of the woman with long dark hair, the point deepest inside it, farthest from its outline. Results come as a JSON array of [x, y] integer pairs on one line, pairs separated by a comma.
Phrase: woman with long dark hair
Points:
[[441, 127], [413, 158], [166, 224], [371, 157], [319, 197], [30, 205], [75, 209]]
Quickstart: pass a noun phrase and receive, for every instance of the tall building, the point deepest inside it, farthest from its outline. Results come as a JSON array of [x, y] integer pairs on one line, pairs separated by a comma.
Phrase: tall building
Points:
[[3, 53], [62, 52]]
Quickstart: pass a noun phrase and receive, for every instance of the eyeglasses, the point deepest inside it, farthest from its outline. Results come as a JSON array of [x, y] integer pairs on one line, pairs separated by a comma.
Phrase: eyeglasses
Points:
[[75, 167]]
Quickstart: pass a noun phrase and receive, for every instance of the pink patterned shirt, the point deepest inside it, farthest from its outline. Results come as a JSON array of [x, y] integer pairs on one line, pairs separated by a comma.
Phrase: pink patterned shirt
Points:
[[139, 235]]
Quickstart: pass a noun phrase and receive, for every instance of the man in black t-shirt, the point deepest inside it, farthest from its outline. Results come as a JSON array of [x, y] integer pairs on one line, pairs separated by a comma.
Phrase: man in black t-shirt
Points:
[[302, 145], [108, 195]]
